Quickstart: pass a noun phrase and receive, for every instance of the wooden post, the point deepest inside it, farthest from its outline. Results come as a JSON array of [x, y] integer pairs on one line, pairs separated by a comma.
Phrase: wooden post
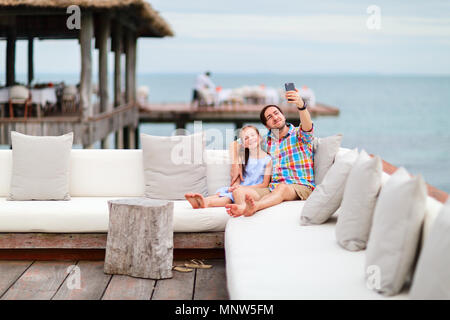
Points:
[[30, 61], [86, 34], [11, 53], [140, 238], [130, 85], [130, 71], [102, 40], [118, 49], [131, 137]]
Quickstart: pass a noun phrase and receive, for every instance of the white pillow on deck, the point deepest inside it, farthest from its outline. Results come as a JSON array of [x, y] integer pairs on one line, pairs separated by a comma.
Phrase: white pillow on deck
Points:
[[396, 228], [358, 204], [327, 196], [325, 150], [40, 169]]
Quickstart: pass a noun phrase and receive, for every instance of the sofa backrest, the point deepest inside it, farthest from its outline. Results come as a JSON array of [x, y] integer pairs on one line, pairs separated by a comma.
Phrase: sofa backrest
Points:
[[116, 173]]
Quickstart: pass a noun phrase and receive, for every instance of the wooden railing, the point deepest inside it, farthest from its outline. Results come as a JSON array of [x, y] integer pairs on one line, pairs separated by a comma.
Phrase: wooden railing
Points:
[[86, 131]]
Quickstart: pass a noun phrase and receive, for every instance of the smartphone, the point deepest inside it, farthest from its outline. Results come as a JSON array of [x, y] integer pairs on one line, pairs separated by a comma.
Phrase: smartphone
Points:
[[289, 86]]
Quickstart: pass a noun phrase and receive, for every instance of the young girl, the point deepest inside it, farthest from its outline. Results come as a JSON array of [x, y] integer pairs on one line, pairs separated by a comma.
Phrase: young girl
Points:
[[256, 169]]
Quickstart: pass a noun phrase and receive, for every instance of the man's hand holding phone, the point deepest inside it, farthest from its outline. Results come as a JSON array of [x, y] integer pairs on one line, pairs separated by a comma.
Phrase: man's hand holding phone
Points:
[[292, 95]]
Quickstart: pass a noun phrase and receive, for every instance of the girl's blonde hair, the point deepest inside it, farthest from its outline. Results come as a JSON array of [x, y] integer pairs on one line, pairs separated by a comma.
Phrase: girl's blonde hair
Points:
[[245, 152]]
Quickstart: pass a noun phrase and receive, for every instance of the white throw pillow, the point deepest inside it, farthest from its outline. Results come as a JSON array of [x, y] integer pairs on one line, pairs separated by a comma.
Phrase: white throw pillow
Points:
[[174, 166], [325, 150], [432, 275], [395, 234], [358, 204], [327, 196], [40, 169], [218, 166]]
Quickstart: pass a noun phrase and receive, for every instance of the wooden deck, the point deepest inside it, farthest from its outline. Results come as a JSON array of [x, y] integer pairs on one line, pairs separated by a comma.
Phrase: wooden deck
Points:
[[52, 280], [181, 113]]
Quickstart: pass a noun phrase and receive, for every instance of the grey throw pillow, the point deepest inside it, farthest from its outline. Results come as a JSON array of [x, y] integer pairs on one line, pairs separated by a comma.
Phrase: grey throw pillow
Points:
[[395, 234], [41, 166], [432, 275], [174, 166], [327, 196], [325, 150], [358, 204]]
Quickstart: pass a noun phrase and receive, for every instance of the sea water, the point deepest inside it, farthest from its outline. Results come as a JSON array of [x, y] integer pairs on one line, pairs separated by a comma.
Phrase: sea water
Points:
[[405, 119]]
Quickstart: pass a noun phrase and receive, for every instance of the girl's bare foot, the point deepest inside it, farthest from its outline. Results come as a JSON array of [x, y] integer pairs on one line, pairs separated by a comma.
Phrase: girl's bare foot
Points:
[[202, 202], [190, 197]]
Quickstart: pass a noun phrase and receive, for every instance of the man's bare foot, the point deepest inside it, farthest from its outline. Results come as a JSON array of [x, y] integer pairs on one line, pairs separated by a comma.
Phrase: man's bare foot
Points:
[[190, 197], [235, 210], [202, 202], [247, 209], [250, 206]]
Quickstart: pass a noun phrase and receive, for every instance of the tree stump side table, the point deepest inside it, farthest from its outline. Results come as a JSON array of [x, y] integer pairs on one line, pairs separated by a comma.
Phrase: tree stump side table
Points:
[[140, 238]]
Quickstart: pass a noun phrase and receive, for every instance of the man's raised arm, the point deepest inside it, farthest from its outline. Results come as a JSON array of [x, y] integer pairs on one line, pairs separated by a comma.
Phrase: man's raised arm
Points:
[[305, 117]]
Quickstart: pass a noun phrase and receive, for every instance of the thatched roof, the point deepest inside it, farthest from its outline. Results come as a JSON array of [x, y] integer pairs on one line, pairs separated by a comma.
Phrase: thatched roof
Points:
[[150, 23]]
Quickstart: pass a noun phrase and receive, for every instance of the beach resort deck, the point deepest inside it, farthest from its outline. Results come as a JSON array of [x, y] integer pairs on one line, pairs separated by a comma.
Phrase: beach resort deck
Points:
[[115, 26], [182, 113], [51, 280]]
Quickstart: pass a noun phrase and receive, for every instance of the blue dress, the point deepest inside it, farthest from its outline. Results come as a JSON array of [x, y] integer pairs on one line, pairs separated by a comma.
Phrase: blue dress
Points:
[[254, 170]]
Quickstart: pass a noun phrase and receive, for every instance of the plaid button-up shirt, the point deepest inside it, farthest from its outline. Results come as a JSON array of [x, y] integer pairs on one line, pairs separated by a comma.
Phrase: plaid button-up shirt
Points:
[[292, 157]]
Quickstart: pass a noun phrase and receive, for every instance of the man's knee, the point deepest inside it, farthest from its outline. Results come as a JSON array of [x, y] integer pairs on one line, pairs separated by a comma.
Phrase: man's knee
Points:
[[285, 191]]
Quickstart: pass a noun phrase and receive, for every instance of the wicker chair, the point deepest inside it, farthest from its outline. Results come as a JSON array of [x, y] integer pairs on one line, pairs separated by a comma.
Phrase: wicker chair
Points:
[[19, 95], [69, 99]]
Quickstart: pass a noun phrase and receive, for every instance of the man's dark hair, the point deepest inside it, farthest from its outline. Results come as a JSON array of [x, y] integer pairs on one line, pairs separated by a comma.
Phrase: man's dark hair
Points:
[[262, 117], [208, 73]]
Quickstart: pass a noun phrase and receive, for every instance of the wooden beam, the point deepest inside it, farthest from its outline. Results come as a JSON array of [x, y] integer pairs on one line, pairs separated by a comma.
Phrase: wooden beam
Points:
[[11, 54], [130, 67], [118, 49], [86, 34], [30, 60], [102, 40], [103, 35]]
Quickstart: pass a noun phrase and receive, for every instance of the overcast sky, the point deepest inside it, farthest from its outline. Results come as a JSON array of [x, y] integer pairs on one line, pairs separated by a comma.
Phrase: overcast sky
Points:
[[279, 36]]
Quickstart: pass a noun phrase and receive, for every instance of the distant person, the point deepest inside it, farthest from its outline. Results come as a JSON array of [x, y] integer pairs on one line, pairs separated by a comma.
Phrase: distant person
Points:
[[203, 90]]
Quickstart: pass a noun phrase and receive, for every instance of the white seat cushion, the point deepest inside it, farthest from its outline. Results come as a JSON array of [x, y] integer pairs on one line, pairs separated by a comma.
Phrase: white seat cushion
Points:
[[270, 256], [90, 214]]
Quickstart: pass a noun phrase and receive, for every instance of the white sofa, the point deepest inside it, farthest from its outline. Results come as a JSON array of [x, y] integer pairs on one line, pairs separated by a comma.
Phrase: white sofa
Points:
[[268, 256], [95, 177], [271, 256]]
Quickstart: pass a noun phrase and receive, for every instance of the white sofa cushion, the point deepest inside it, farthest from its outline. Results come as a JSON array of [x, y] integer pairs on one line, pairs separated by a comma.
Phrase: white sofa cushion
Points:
[[431, 277], [174, 166], [218, 166], [395, 234], [40, 169], [106, 173], [358, 203], [116, 173], [327, 196], [325, 149], [269, 256], [90, 214]]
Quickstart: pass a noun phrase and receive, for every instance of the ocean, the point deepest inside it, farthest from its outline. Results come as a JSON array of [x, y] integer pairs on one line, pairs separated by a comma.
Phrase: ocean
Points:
[[405, 119]]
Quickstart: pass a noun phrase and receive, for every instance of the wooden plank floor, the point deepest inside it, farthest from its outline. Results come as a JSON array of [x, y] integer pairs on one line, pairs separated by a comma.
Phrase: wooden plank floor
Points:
[[85, 280]]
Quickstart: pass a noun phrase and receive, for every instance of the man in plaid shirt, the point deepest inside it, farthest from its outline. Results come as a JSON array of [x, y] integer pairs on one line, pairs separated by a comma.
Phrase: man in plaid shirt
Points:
[[291, 149]]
